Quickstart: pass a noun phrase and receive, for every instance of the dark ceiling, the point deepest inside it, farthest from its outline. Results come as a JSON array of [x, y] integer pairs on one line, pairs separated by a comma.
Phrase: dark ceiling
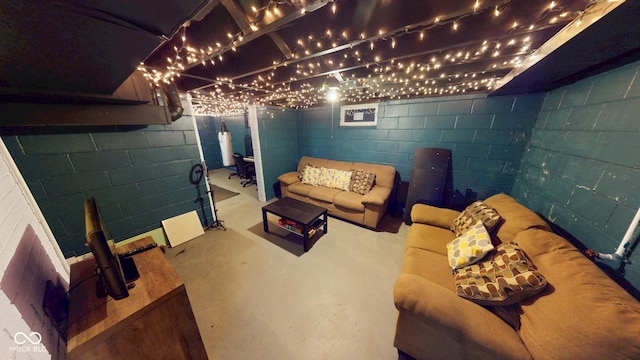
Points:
[[285, 53], [230, 53]]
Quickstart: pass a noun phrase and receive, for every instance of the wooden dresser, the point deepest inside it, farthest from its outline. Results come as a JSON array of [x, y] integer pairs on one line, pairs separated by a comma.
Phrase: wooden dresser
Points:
[[154, 322]]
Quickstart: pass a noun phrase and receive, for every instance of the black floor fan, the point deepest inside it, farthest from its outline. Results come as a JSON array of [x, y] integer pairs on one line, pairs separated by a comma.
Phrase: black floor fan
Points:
[[198, 171]]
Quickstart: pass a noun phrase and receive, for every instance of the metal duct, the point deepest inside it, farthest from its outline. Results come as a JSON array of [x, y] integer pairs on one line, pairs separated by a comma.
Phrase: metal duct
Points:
[[173, 100]]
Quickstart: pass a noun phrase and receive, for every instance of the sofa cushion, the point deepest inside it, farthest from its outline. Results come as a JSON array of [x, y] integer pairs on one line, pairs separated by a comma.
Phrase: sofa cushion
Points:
[[434, 323], [586, 315], [338, 165], [506, 277], [349, 200], [362, 181], [324, 194], [469, 247], [515, 217], [289, 178], [432, 215], [317, 162], [311, 175], [431, 238], [428, 265], [474, 212], [300, 188]]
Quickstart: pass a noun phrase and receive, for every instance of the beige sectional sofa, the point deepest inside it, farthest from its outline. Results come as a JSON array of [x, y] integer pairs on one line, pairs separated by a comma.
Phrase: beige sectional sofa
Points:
[[366, 208], [581, 314]]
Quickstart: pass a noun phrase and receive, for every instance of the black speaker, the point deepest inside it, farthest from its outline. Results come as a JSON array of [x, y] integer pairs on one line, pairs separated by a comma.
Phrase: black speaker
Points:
[[426, 186]]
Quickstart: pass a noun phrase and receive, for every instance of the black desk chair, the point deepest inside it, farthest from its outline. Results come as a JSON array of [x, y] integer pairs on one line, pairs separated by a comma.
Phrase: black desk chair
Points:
[[245, 170], [237, 173]]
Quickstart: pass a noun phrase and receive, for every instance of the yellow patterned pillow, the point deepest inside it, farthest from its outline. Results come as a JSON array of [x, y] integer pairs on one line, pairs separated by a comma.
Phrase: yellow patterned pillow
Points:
[[470, 247], [325, 177], [311, 175], [341, 180]]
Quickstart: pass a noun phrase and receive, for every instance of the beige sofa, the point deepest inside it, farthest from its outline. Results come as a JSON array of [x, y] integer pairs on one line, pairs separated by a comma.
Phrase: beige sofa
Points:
[[581, 314], [367, 209]]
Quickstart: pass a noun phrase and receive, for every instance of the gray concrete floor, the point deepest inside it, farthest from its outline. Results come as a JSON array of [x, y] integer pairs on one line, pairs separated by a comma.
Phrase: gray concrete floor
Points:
[[259, 296]]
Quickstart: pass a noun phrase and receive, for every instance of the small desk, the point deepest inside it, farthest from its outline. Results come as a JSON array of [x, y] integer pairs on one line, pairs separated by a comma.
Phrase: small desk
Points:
[[309, 215], [155, 322]]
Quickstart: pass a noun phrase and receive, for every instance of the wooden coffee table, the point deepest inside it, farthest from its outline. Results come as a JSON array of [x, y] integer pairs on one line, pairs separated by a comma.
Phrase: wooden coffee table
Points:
[[309, 216]]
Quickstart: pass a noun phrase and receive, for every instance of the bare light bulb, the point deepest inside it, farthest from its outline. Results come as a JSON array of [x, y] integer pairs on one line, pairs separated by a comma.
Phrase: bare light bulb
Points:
[[332, 94]]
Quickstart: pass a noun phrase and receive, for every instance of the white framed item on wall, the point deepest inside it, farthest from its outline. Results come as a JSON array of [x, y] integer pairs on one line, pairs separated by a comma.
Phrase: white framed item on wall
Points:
[[359, 115]]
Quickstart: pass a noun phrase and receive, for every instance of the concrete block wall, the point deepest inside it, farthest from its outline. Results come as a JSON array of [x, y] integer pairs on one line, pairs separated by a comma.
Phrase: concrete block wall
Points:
[[209, 127], [581, 168], [28, 259], [139, 176], [278, 144], [209, 140], [487, 136], [237, 126]]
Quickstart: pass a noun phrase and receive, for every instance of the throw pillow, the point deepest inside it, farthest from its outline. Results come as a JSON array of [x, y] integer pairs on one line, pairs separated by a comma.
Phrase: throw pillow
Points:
[[311, 175], [474, 212], [362, 181], [325, 177], [506, 278], [341, 179], [470, 247]]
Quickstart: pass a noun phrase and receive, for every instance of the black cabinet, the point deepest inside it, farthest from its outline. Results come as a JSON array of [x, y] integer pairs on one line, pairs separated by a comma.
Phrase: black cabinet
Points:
[[426, 185]]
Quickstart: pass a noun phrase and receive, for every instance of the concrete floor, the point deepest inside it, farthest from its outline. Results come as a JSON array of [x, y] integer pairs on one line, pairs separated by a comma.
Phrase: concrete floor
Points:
[[259, 296]]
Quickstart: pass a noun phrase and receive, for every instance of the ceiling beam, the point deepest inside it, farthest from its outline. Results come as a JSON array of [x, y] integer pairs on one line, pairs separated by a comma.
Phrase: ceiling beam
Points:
[[238, 15], [262, 31], [388, 34], [567, 34], [281, 44]]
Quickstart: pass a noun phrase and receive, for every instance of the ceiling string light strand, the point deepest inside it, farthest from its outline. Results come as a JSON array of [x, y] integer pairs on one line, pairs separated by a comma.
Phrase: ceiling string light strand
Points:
[[437, 64], [186, 56], [192, 54], [401, 32], [335, 39], [380, 36]]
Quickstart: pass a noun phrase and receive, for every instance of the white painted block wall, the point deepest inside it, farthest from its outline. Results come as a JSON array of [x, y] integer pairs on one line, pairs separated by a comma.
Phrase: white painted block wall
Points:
[[20, 215]]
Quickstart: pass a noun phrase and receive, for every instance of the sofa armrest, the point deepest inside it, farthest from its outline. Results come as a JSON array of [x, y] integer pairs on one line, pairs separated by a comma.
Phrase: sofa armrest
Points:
[[432, 215], [377, 196], [467, 323], [289, 178]]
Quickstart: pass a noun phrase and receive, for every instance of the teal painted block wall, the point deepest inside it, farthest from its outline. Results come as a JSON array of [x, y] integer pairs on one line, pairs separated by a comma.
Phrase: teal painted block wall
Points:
[[581, 167], [487, 136], [239, 130], [209, 141], [209, 127], [278, 141], [139, 176], [278, 144]]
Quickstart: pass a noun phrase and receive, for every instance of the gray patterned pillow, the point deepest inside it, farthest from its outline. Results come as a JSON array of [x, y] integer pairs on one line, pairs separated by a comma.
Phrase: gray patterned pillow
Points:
[[361, 181], [474, 212]]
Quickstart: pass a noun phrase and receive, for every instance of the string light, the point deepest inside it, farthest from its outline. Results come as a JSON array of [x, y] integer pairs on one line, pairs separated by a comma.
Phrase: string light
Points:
[[391, 80]]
